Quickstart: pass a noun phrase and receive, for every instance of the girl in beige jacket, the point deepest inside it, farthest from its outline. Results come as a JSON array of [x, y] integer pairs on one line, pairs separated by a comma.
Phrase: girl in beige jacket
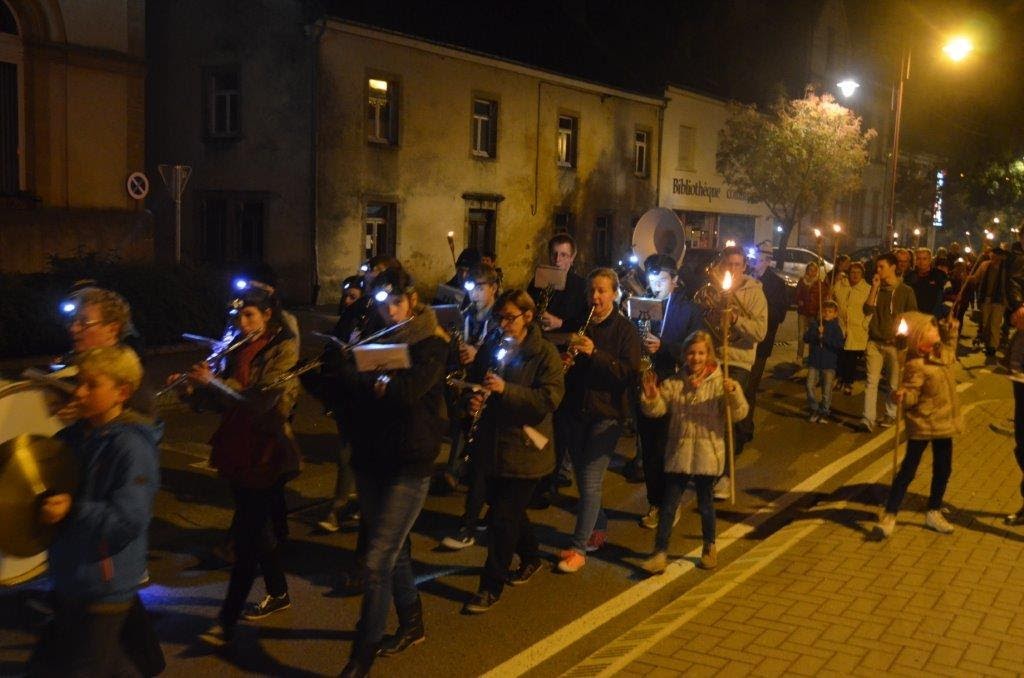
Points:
[[695, 400], [932, 409]]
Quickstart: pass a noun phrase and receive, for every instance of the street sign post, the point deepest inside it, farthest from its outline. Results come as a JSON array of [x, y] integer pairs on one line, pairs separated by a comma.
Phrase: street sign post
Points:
[[175, 178]]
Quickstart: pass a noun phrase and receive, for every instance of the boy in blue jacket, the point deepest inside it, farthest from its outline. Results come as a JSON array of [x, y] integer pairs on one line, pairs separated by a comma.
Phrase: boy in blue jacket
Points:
[[98, 555], [825, 339]]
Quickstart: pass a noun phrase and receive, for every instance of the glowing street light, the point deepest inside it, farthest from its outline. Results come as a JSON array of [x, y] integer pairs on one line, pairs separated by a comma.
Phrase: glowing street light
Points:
[[958, 48], [848, 87], [990, 235], [995, 220]]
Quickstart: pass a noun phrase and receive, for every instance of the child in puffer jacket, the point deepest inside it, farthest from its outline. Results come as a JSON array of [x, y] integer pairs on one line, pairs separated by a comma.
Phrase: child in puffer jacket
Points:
[[932, 411], [695, 400]]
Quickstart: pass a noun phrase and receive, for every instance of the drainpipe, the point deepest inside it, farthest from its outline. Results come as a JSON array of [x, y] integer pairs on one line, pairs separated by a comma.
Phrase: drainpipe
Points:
[[315, 32]]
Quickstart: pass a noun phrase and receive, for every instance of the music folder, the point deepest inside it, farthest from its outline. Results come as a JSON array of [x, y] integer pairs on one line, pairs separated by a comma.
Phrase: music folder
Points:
[[381, 357], [448, 315], [546, 276], [645, 308], [450, 295]]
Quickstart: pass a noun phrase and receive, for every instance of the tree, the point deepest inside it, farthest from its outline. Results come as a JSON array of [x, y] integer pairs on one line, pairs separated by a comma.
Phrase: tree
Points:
[[997, 189], [797, 159]]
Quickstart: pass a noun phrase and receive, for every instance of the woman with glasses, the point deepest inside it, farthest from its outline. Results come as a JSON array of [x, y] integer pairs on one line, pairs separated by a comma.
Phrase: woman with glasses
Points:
[[598, 385], [521, 375], [397, 426]]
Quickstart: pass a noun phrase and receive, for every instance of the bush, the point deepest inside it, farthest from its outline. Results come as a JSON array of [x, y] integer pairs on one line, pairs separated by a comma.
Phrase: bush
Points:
[[166, 300]]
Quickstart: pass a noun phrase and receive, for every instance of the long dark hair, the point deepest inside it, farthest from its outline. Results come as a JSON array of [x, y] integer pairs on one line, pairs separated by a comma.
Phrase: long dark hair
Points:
[[263, 298]]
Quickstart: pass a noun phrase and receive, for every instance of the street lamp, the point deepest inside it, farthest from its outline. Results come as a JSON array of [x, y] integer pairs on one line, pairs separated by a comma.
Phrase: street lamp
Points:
[[956, 49], [917, 237], [837, 230]]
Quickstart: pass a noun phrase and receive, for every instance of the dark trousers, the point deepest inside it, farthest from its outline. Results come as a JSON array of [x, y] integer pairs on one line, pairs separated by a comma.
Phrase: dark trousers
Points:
[[476, 495], [675, 484], [942, 466], [1018, 428], [510, 530], [255, 534], [82, 644], [652, 434], [847, 367]]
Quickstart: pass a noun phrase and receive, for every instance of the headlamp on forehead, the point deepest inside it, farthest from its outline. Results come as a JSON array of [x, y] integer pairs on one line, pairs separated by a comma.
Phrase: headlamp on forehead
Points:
[[382, 294], [470, 285], [68, 307], [241, 284], [634, 259], [752, 253], [365, 268]]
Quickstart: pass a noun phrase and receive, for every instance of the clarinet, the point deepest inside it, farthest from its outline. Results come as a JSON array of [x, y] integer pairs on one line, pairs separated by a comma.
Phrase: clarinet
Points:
[[496, 366], [569, 357]]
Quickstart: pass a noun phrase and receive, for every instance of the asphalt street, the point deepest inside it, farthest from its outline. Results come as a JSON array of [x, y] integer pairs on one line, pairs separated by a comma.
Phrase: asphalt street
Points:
[[543, 628]]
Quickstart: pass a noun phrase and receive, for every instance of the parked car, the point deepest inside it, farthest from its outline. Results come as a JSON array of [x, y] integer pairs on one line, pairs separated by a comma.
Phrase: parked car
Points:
[[795, 261]]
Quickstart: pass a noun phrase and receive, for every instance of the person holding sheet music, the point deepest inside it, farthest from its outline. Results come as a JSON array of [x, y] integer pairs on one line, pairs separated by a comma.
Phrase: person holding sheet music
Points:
[[566, 309], [513, 447], [680, 318], [398, 423]]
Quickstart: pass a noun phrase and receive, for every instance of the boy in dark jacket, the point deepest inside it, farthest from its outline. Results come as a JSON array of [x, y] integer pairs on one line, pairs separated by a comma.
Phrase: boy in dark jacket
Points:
[[825, 340], [98, 555]]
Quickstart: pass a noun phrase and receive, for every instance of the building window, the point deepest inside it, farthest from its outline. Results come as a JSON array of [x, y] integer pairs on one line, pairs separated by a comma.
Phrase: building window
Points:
[[640, 161], [568, 133], [603, 240], [223, 104], [379, 229], [686, 137], [382, 111], [485, 128], [232, 227], [12, 104], [564, 223], [482, 232]]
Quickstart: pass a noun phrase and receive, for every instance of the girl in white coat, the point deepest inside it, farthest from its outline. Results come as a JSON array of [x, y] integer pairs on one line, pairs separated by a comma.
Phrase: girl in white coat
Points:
[[695, 400]]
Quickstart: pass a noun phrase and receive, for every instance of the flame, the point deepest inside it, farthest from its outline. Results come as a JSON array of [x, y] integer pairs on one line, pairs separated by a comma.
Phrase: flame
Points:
[[451, 234], [817, 233], [836, 228], [903, 329], [727, 281]]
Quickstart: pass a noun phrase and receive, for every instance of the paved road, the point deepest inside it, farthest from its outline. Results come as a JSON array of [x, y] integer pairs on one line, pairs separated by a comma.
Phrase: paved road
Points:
[[791, 471]]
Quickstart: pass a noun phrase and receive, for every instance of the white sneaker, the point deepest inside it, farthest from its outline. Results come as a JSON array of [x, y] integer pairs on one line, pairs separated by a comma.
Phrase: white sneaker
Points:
[[723, 488], [650, 520], [885, 525], [936, 521], [679, 514], [457, 542]]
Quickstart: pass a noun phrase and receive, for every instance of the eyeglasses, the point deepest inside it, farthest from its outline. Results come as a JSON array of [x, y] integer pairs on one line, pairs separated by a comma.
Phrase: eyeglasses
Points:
[[505, 319]]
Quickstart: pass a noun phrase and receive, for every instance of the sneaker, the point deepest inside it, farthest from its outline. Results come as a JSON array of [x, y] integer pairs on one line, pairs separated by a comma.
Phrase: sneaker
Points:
[[268, 606], [524, 573], [144, 579], [885, 525], [1015, 518], [480, 603], [723, 488], [813, 418], [708, 557], [330, 523], [656, 564], [571, 561], [650, 520], [936, 521], [596, 541], [217, 635], [824, 418], [887, 421], [460, 541], [866, 425]]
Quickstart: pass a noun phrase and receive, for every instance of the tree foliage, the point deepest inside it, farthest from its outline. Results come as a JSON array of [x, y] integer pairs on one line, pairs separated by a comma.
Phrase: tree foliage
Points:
[[797, 158], [997, 189]]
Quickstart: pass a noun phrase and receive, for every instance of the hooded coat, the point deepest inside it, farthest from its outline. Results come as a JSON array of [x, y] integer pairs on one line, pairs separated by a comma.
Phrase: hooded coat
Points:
[[930, 401], [98, 555], [751, 325]]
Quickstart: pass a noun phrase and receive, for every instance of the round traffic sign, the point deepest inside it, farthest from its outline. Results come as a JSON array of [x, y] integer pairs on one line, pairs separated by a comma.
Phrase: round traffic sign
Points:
[[138, 185]]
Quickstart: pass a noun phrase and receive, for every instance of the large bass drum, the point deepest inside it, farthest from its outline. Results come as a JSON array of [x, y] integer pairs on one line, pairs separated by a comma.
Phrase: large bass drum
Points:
[[25, 408]]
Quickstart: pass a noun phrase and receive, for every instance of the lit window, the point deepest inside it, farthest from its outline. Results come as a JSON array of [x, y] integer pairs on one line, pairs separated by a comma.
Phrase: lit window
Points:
[[640, 153], [568, 130], [379, 229], [485, 128], [382, 111]]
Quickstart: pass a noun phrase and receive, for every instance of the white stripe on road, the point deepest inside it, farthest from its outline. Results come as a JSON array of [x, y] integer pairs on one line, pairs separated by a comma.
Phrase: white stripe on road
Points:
[[554, 643]]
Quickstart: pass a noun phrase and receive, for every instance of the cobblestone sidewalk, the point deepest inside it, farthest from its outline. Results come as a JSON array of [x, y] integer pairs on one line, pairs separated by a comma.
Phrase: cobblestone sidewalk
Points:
[[821, 597]]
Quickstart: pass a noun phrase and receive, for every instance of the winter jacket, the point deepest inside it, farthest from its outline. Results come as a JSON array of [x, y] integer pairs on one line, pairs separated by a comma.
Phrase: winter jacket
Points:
[[776, 295], [696, 428], [930, 401], [808, 295], [751, 325], [890, 303], [534, 386], [824, 349], [927, 289], [99, 552], [682, 318], [399, 434], [254, 445], [851, 300], [570, 304], [598, 386]]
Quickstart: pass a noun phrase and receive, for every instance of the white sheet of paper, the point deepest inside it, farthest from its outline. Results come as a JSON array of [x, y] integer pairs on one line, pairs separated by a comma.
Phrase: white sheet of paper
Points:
[[645, 308], [382, 357], [549, 275], [539, 440]]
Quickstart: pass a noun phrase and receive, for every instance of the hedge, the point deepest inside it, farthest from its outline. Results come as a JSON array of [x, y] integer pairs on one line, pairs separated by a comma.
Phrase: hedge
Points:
[[166, 300]]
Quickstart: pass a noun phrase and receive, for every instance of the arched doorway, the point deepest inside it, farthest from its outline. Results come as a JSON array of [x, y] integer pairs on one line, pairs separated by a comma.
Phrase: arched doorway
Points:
[[12, 107]]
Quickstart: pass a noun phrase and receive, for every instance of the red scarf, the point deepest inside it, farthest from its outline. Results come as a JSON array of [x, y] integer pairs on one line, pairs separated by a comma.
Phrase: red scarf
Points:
[[243, 368], [697, 379]]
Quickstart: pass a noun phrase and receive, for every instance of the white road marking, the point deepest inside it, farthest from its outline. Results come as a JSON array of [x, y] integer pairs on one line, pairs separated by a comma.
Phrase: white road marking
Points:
[[554, 643]]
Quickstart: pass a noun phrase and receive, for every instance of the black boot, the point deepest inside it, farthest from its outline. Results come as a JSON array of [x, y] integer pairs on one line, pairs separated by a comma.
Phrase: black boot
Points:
[[360, 662], [410, 631]]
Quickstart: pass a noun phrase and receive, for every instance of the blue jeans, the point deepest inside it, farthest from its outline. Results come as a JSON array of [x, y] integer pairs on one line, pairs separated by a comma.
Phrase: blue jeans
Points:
[[591, 445], [675, 484], [823, 406], [389, 509]]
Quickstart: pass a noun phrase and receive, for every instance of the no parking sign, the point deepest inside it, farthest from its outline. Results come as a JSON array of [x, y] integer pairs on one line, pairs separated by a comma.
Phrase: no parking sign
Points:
[[137, 185]]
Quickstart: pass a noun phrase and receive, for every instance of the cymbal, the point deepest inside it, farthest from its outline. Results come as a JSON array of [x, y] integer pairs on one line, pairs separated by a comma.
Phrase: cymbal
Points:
[[31, 466]]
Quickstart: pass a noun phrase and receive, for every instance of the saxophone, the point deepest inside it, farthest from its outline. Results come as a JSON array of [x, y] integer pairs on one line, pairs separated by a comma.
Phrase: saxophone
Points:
[[643, 328], [569, 357]]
